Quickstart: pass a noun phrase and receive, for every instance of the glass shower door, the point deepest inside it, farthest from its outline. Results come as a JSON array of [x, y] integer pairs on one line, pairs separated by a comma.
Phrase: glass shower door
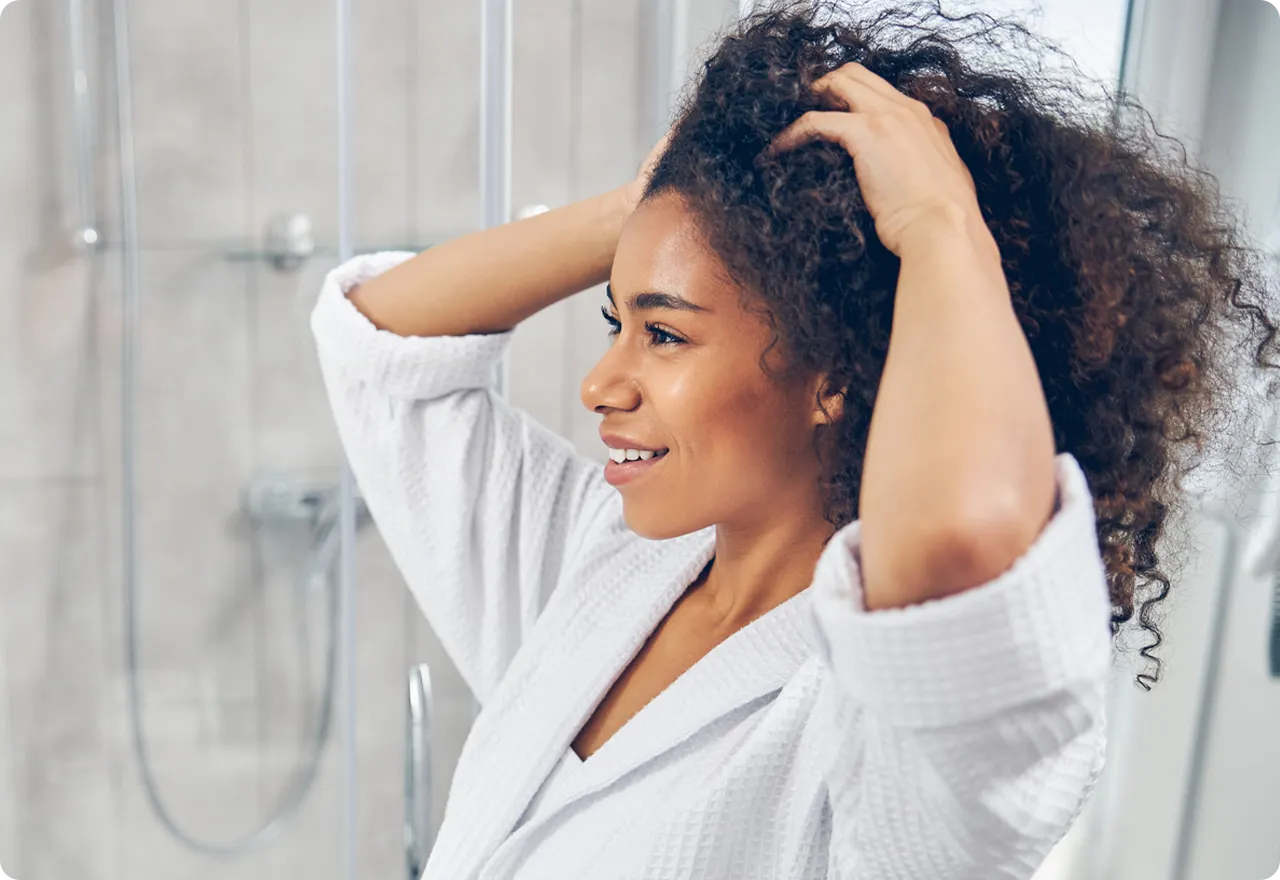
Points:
[[178, 635], [229, 522], [171, 632]]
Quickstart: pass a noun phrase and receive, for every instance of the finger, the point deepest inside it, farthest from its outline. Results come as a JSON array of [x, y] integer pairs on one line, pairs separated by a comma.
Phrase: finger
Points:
[[860, 89], [858, 81], [891, 94], [842, 87], [849, 87], [935, 129], [843, 90], [857, 72], [820, 125]]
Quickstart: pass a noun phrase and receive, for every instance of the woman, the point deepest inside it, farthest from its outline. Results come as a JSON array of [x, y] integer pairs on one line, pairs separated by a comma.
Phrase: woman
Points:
[[900, 348]]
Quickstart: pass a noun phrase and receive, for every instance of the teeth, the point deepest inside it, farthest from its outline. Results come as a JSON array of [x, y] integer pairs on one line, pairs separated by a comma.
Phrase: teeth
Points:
[[621, 455]]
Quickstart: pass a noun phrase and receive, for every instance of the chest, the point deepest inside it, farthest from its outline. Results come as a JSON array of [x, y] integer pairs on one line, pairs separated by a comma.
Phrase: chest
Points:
[[675, 646]]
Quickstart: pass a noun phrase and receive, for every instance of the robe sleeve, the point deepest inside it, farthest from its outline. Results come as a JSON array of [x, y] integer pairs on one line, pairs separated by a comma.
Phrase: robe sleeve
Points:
[[966, 732], [479, 504]]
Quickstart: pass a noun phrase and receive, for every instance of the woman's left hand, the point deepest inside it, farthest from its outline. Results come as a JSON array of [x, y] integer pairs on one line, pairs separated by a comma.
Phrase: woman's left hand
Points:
[[909, 172]]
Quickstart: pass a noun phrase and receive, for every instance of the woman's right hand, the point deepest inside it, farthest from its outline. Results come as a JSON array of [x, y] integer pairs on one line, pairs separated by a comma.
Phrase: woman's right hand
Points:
[[635, 189]]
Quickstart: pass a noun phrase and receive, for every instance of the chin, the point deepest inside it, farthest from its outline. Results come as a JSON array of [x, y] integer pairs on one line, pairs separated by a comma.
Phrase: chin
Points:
[[658, 525]]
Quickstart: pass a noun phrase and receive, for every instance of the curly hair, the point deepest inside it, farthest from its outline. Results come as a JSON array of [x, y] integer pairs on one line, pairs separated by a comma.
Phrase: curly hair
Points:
[[1137, 291]]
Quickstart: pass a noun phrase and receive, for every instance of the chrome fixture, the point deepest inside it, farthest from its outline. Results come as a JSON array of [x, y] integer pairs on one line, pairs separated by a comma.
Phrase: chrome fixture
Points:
[[495, 132], [418, 785], [289, 241], [86, 237], [275, 498]]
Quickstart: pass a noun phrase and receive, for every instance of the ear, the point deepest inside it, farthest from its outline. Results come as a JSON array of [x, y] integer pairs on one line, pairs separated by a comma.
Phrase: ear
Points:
[[832, 400]]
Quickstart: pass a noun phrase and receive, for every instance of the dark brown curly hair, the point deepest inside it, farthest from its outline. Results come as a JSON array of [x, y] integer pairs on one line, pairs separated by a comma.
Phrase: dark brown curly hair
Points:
[[1141, 300]]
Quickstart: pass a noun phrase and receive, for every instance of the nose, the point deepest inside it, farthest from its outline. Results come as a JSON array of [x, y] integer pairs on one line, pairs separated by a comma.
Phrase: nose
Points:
[[611, 384]]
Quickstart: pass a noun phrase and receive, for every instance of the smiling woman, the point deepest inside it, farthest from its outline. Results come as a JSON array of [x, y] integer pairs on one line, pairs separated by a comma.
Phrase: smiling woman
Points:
[[904, 357]]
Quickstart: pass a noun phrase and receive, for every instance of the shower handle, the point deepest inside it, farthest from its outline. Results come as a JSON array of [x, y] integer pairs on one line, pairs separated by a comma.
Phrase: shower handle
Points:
[[418, 788]]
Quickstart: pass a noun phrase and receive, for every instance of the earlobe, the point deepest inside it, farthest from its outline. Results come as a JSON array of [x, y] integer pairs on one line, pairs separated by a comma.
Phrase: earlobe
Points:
[[832, 403]]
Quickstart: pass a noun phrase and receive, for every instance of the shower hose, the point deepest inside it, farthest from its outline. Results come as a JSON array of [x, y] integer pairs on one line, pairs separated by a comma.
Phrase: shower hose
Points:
[[325, 534]]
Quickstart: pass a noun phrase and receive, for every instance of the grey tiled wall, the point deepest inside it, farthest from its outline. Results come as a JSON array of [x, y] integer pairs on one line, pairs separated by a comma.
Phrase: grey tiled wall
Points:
[[235, 120]]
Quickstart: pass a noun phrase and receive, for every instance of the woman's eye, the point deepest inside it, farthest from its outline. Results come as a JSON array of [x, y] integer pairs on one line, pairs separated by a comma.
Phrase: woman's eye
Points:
[[662, 337], [657, 335], [614, 323]]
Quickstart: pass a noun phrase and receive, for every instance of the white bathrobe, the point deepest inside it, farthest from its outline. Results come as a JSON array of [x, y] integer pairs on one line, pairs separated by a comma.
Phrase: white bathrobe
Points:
[[953, 739]]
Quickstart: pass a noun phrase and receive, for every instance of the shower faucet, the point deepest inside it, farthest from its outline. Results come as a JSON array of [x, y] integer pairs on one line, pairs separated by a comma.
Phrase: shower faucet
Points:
[[279, 496]]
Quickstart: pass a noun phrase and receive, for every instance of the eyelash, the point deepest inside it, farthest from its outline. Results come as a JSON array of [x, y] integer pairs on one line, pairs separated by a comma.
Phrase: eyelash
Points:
[[654, 330]]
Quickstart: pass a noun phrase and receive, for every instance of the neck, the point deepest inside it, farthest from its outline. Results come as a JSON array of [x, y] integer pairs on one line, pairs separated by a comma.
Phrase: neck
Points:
[[759, 565]]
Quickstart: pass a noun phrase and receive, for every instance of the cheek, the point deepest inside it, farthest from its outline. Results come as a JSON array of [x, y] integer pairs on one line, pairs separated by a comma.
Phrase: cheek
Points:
[[727, 425]]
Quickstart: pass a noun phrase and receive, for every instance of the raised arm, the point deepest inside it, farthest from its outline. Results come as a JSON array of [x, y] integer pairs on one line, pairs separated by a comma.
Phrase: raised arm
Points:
[[481, 507], [489, 281], [965, 615]]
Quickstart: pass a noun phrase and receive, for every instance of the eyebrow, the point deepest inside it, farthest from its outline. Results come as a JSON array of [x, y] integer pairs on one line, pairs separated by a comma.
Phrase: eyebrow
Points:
[[640, 302]]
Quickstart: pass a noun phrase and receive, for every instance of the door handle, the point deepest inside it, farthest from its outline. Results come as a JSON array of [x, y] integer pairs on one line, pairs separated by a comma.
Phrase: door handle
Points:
[[418, 787]]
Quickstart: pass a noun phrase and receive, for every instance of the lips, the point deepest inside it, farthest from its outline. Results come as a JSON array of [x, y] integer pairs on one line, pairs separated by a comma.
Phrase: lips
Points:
[[619, 473], [621, 441], [621, 456]]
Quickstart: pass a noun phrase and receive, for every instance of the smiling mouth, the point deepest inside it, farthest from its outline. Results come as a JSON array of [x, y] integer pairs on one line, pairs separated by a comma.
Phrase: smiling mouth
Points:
[[652, 456], [618, 473]]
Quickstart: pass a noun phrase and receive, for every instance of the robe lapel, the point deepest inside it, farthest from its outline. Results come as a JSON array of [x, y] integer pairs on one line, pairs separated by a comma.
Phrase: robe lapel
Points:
[[581, 644], [755, 661], [556, 681]]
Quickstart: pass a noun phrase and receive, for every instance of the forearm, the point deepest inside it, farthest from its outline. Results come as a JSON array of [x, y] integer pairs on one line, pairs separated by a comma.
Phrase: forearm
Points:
[[958, 474], [491, 280]]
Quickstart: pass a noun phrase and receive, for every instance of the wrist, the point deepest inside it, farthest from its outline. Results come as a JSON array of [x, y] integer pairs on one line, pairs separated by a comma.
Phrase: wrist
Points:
[[628, 198], [617, 205], [947, 227]]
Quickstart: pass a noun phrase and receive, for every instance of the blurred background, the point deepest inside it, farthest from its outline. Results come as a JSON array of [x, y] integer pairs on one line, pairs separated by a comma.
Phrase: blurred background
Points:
[[209, 665]]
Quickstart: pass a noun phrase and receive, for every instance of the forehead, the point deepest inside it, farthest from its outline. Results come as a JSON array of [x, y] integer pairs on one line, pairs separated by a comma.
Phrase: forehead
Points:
[[662, 249]]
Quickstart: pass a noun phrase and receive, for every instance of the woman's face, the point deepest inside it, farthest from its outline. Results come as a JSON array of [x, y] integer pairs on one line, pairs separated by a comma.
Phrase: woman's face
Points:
[[683, 375]]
